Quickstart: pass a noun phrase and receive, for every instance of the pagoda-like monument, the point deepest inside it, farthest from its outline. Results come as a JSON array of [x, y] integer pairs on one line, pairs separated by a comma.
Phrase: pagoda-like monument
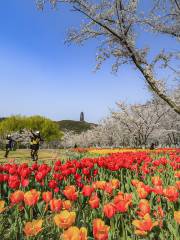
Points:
[[82, 117]]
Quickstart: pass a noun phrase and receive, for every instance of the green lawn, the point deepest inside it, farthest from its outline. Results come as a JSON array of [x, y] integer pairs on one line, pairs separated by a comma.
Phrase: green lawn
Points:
[[48, 156], [23, 155]]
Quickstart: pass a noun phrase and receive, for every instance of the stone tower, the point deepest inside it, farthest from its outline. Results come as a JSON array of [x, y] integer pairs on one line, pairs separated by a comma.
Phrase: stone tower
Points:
[[82, 117]]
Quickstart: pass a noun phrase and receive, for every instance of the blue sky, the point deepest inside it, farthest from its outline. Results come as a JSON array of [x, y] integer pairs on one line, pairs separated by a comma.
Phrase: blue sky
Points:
[[39, 74]]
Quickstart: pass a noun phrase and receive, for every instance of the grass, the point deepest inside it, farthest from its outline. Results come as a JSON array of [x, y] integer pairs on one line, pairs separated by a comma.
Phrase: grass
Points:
[[23, 156], [47, 156]]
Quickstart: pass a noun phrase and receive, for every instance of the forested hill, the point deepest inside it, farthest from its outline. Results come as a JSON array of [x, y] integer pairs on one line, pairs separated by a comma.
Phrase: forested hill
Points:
[[1, 119], [71, 125], [75, 126]]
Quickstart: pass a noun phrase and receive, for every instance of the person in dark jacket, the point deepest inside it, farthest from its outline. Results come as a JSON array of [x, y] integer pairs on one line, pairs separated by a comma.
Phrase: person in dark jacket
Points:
[[152, 147], [9, 145], [34, 144]]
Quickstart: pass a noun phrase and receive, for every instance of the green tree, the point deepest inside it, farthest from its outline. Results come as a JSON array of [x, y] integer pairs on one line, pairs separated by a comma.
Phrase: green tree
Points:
[[49, 130], [11, 124]]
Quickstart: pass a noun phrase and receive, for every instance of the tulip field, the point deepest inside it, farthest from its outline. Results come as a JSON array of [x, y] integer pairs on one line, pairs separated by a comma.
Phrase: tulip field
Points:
[[95, 194]]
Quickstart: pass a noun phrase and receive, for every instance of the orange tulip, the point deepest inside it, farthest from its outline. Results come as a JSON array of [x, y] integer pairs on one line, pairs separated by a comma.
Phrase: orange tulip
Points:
[[119, 197], [65, 219], [67, 204], [140, 184], [100, 230], [123, 197], [122, 201], [109, 210], [177, 174], [31, 197], [144, 226], [74, 233], [108, 188], [177, 216], [70, 193], [94, 201], [142, 193], [2, 204], [135, 182], [33, 228], [55, 205], [144, 207], [115, 183], [171, 193], [17, 197], [99, 185], [178, 185], [158, 190], [47, 196], [156, 180], [122, 206]]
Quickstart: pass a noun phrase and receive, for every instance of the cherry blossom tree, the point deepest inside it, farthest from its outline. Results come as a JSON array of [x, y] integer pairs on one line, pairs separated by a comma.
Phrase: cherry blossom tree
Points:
[[136, 125], [118, 24]]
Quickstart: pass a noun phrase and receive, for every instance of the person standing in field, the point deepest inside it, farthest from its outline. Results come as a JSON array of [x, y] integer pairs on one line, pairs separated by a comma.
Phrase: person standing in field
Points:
[[9, 145], [152, 147], [34, 144]]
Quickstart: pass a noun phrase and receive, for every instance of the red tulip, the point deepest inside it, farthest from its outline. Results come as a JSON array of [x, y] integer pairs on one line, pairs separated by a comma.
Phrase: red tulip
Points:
[[109, 210], [52, 184], [56, 205], [13, 181], [87, 191], [94, 201]]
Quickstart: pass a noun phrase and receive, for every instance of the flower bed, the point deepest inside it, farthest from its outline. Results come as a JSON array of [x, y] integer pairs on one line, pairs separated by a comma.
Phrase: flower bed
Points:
[[126, 195]]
